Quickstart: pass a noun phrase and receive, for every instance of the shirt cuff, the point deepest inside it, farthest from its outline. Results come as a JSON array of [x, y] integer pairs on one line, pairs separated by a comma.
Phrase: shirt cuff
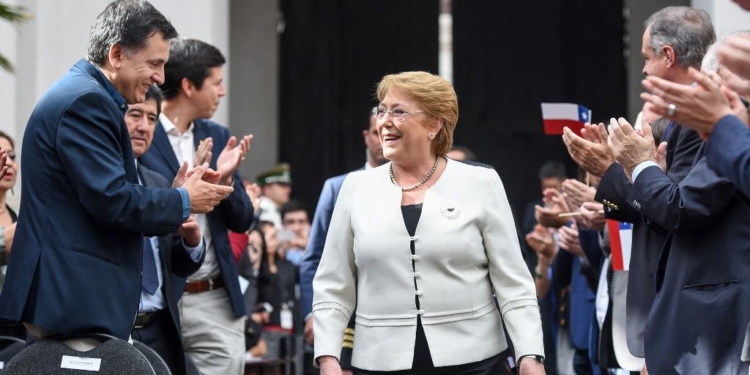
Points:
[[640, 167], [195, 252], [185, 203]]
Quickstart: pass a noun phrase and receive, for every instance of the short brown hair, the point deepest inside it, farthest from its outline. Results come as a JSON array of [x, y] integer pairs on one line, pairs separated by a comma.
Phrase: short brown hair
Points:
[[436, 97]]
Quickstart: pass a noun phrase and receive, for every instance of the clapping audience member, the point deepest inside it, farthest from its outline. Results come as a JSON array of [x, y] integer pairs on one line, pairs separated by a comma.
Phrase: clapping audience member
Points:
[[703, 214], [84, 212], [212, 307], [167, 259], [675, 39]]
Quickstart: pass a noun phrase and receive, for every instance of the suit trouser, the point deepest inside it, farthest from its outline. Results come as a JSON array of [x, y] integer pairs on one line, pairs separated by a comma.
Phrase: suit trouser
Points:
[[212, 334], [158, 336]]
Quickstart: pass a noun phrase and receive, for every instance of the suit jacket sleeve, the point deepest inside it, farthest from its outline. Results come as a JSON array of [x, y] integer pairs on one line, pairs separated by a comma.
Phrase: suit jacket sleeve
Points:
[[237, 209], [183, 264], [91, 151], [514, 288], [728, 152], [314, 251], [613, 192], [700, 199], [334, 297]]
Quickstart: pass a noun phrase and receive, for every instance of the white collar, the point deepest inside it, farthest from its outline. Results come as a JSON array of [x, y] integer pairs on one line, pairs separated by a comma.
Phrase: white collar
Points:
[[169, 126]]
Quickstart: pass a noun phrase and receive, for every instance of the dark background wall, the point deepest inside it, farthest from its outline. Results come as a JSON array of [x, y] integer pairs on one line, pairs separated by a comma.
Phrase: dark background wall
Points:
[[508, 58], [511, 56]]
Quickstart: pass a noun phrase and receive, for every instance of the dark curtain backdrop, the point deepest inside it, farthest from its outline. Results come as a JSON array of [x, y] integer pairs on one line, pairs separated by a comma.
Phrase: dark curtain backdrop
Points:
[[333, 52], [509, 56]]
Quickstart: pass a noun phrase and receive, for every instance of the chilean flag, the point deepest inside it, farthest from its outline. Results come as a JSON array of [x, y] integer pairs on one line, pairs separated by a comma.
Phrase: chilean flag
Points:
[[557, 116], [620, 241]]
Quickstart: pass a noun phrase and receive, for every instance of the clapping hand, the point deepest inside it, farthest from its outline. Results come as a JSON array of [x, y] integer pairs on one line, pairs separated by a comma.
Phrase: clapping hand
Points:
[[696, 107], [590, 151], [592, 216], [232, 156], [569, 240], [629, 147], [541, 241], [204, 195], [204, 152], [554, 205], [576, 192], [190, 232], [209, 175]]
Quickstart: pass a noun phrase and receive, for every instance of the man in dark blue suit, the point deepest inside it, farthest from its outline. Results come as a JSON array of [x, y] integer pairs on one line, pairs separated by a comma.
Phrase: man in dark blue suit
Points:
[[166, 259], [211, 309], [675, 39], [704, 264], [319, 231], [76, 263]]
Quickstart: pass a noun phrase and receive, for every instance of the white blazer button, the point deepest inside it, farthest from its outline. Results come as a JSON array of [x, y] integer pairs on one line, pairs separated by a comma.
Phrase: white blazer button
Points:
[[418, 292], [420, 312], [416, 275], [415, 257], [415, 238]]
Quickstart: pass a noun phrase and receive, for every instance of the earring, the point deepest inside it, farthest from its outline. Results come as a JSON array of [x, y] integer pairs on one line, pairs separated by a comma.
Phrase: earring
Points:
[[432, 135]]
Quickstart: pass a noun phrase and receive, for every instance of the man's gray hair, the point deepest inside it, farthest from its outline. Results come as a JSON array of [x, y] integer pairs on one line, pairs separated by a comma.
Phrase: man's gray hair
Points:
[[687, 30], [711, 61]]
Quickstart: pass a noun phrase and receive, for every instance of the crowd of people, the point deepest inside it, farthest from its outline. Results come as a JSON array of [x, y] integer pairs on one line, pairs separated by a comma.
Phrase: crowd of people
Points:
[[134, 222]]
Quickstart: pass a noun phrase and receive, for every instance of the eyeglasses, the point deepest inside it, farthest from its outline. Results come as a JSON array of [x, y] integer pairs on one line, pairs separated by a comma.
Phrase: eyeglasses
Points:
[[398, 113]]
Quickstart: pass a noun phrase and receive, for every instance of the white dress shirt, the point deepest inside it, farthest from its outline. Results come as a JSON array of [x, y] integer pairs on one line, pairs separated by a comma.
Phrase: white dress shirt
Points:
[[183, 145]]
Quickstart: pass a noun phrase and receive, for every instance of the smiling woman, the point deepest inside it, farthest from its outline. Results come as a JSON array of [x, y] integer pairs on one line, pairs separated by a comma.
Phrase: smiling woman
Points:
[[429, 309]]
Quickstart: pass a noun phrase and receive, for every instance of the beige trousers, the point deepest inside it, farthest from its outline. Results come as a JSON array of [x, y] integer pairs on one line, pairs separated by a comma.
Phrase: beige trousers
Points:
[[211, 333]]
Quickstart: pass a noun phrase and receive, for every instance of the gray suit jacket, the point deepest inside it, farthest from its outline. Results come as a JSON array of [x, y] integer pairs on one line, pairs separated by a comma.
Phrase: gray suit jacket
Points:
[[466, 246]]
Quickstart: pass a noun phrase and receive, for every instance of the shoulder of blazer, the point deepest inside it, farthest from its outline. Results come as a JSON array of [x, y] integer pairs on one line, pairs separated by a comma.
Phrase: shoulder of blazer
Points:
[[153, 179]]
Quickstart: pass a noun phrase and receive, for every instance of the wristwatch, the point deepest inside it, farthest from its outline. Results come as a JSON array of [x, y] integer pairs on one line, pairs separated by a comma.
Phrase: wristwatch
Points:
[[536, 358]]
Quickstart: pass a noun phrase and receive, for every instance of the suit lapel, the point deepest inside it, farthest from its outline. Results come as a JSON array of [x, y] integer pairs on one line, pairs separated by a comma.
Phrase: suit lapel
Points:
[[162, 145], [199, 132]]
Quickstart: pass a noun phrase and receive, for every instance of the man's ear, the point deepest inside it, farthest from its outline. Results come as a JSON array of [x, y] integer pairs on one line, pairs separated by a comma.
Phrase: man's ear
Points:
[[669, 55], [187, 87], [116, 55]]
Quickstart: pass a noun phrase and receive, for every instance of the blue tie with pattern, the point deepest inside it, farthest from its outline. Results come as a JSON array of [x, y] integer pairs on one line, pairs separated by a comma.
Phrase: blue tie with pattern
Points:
[[668, 132], [149, 278]]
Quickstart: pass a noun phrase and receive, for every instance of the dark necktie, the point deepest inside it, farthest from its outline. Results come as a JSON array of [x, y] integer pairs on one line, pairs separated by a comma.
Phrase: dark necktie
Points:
[[668, 132], [149, 278]]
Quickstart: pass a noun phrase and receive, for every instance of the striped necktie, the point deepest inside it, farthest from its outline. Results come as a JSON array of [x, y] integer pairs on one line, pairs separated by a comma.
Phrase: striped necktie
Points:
[[149, 278]]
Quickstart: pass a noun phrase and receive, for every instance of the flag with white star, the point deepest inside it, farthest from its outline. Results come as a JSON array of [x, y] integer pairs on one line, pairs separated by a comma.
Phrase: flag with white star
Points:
[[557, 116]]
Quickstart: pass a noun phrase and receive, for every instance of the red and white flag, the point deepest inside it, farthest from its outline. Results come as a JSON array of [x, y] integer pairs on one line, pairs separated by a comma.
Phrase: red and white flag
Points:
[[620, 240], [557, 116]]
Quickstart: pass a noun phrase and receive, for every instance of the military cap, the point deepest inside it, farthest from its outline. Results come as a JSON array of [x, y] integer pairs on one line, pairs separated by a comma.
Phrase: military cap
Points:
[[279, 174]]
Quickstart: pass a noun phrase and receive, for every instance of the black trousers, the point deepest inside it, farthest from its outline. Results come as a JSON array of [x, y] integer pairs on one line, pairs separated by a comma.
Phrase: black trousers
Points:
[[489, 366], [160, 336]]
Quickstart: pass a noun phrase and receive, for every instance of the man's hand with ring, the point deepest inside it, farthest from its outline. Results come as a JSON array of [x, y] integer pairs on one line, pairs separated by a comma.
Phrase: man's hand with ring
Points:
[[700, 107]]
